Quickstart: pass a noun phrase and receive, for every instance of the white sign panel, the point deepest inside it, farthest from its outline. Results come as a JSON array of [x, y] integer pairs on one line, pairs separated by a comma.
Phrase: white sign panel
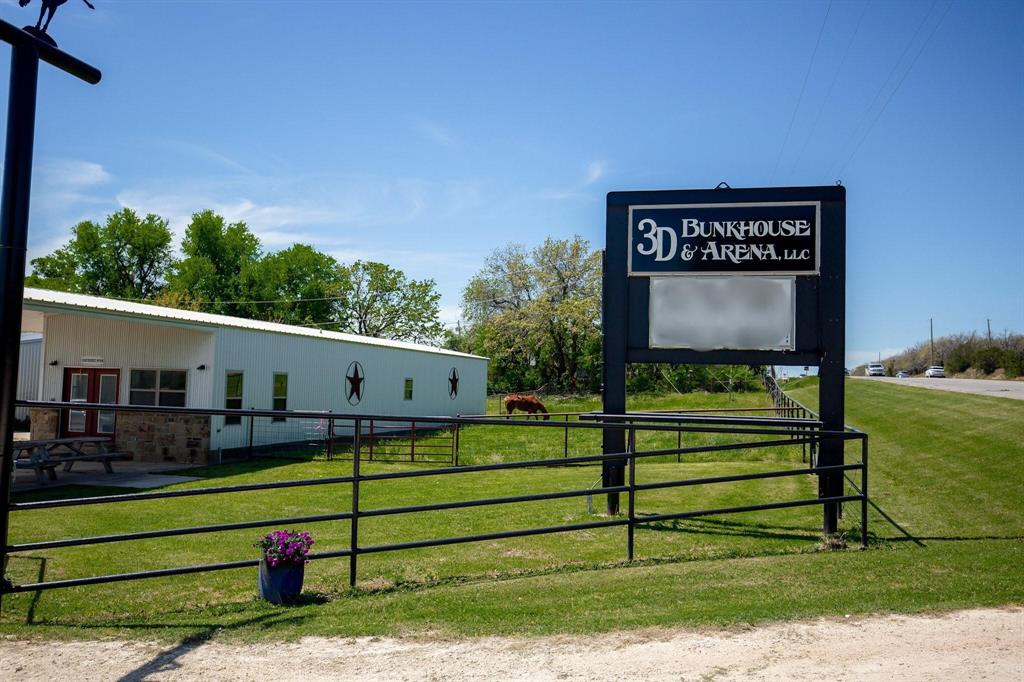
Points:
[[723, 313]]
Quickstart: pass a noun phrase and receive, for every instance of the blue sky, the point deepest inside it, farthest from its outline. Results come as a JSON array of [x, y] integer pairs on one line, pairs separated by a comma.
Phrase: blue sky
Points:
[[424, 135]]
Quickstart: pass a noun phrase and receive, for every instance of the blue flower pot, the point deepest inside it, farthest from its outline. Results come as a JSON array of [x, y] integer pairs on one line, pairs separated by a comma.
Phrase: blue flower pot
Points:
[[281, 585]]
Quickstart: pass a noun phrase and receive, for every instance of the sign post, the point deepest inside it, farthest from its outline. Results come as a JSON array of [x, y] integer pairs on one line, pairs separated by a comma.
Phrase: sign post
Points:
[[28, 50], [727, 276]]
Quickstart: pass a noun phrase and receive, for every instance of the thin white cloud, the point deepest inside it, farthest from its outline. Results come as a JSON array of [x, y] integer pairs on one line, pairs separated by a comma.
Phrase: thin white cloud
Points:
[[72, 174], [437, 133], [450, 314], [595, 171], [192, 150], [270, 222], [583, 189]]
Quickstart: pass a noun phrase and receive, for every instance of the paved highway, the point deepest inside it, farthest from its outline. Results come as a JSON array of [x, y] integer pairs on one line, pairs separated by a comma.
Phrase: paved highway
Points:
[[993, 387]]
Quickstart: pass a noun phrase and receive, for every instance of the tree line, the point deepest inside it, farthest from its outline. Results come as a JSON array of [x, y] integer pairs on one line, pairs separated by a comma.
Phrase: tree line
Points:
[[960, 353], [536, 313], [223, 268]]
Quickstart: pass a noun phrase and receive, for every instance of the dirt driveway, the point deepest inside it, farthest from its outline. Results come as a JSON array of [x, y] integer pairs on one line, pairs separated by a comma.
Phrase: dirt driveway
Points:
[[977, 644]]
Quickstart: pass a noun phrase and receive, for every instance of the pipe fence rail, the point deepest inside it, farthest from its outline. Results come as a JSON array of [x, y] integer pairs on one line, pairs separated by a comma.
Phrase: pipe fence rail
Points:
[[794, 408], [771, 432]]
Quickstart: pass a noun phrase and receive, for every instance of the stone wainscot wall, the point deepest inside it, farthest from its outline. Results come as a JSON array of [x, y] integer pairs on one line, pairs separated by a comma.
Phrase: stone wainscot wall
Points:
[[147, 436]]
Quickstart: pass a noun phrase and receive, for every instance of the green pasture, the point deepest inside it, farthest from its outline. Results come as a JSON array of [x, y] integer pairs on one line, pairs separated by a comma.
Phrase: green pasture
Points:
[[548, 440], [946, 533]]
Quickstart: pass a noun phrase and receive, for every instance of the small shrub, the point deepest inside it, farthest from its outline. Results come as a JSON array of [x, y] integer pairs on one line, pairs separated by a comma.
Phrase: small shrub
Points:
[[959, 359], [988, 359], [1013, 363]]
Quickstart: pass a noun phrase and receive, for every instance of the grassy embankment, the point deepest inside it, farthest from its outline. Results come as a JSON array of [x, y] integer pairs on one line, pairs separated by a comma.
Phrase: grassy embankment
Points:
[[946, 478]]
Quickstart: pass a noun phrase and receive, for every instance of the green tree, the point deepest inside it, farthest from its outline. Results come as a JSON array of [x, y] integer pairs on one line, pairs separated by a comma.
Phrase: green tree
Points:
[[215, 268], [126, 257], [536, 315], [381, 301], [307, 287]]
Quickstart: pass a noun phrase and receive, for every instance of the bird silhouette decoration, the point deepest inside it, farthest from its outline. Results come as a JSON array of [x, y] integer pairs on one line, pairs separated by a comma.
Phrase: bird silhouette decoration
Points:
[[47, 9]]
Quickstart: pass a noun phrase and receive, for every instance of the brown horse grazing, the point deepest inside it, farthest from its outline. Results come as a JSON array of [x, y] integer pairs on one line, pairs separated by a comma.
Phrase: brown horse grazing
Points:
[[525, 403]]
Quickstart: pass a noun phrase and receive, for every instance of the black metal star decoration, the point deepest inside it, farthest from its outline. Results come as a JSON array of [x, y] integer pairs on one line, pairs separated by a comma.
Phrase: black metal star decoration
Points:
[[453, 383], [354, 386]]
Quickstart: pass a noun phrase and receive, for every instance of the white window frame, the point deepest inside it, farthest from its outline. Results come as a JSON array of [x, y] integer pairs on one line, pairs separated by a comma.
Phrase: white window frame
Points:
[[156, 390], [273, 394], [408, 385], [240, 398]]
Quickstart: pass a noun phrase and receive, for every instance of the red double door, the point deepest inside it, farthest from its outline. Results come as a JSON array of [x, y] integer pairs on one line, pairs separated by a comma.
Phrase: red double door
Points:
[[90, 385]]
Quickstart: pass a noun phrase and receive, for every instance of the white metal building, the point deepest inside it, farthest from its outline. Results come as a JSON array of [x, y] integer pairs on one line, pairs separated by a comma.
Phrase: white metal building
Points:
[[30, 362], [104, 350]]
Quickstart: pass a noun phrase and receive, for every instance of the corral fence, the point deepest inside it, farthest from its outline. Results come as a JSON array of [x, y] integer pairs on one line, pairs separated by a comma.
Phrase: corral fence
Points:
[[330, 437], [787, 406], [749, 432]]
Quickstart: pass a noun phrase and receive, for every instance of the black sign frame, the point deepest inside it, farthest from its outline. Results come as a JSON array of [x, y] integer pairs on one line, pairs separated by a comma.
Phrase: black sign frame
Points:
[[820, 310]]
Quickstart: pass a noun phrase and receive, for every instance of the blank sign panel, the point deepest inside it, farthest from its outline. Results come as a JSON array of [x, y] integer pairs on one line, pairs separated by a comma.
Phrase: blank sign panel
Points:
[[728, 313]]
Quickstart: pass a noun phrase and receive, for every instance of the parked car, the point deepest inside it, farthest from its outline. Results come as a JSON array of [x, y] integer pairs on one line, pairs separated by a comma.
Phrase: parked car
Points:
[[935, 372], [875, 369], [902, 374]]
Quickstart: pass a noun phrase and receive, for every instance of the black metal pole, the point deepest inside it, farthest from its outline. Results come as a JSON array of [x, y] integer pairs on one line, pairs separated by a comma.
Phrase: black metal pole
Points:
[[354, 523], [831, 376], [613, 398], [864, 493], [17, 183], [631, 526], [251, 422]]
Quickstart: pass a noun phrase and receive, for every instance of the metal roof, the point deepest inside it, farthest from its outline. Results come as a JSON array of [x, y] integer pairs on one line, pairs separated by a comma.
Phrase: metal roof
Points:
[[46, 300]]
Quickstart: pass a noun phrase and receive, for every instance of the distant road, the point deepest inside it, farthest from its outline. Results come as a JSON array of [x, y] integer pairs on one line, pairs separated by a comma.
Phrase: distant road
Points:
[[993, 387]]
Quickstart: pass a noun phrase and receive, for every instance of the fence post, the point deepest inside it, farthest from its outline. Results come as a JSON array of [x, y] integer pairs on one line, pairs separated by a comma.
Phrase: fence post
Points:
[[842, 489], [631, 518], [412, 452], [371, 440], [864, 492], [354, 536], [252, 421], [455, 444], [330, 437], [679, 445], [565, 450]]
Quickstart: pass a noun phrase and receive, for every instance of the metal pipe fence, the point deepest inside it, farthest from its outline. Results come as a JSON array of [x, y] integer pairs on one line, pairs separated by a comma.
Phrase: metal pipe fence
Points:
[[782, 401], [783, 432]]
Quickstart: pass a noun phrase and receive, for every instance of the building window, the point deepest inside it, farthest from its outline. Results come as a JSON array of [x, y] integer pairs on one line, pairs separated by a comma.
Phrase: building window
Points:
[[164, 387], [408, 389], [280, 394], [233, 397]]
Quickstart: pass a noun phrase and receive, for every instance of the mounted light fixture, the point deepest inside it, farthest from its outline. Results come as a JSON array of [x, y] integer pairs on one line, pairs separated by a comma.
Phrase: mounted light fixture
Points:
[[201, 367], [53, 363]]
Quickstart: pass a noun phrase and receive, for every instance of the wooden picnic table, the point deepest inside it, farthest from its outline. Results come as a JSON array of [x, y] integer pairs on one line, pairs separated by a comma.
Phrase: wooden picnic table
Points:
[[49, 453]]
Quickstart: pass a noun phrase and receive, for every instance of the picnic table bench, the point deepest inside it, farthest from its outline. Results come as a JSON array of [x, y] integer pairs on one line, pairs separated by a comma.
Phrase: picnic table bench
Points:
[[47, 454]]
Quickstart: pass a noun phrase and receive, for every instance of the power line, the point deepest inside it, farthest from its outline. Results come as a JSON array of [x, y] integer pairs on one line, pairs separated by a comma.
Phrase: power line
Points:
[[892, 72], [831, 86], [898, 84], [800, 98]]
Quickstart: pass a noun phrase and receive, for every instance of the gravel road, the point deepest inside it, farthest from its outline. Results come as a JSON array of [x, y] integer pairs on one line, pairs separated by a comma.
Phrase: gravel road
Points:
[[1000, 388], [976, 644]]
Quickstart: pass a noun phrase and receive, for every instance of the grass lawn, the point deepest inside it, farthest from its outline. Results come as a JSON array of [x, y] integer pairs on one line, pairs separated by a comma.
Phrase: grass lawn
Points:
[[946, 478]]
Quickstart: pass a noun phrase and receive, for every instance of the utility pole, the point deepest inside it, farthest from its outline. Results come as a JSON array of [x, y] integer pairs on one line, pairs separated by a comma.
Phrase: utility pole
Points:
[[989, 323], [931, 343]]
